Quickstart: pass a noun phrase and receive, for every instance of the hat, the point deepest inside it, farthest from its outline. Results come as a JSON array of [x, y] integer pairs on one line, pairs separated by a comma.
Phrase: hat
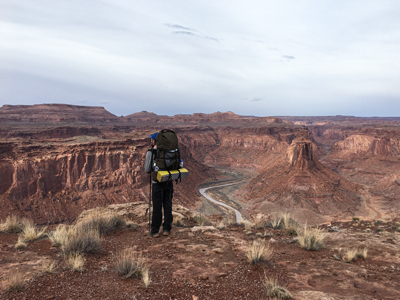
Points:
[[154, 135]]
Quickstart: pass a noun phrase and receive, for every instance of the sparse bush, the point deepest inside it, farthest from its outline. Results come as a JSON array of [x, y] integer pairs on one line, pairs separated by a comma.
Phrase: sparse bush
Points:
[[311, 238], [355, 219], [221, 225], [132, 225], [275, 224], [362, 253], [75, 261], [11, 225], [82, 242], [31, 233], [59, 235], [350, 255], [202, 220], [379, 230], [259, 251], [246, 224], [105, 224], [273, 289], [146, 277], [14, 281], [260, 224], [20, 243], [285, 222], [49, 267], [130, 264]]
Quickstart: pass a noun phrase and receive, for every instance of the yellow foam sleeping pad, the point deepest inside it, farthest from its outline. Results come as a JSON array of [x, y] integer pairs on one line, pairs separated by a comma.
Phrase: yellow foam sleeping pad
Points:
[[172, 175]]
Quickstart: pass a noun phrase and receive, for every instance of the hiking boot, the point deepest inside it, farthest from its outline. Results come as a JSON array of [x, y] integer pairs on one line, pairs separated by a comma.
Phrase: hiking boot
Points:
[[166, 233], [154, 234]]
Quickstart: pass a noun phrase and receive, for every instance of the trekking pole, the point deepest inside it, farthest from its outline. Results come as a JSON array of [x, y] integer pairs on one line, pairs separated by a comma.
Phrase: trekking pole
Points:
[[150, 201]]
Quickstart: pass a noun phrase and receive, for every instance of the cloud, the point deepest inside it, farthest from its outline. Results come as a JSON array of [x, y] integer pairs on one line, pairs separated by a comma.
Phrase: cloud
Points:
[[178, 27], [185, 33], [211, 38], [288, 57], [196, 35]]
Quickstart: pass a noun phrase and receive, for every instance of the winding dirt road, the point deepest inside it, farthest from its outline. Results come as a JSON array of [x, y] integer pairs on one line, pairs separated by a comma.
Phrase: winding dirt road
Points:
[[203, 192]]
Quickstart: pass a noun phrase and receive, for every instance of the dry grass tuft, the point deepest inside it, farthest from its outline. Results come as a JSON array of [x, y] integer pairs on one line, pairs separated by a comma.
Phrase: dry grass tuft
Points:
[[49, 267], [351, 255], [59, 235], [132, 225], [14, 281], [246, 224], [31, 233], [220, 225], [362, 253], [311, 238], [202, 220], [146, 277], [275, 224], [130, 264], [273, 289], [105, 224], [20, 243], [79, 241], [75, 262], [259, 251], [12, 224]]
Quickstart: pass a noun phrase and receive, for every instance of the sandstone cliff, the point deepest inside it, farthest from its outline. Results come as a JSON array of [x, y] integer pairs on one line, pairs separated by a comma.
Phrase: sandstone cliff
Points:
[[296, 178], [54, 113]]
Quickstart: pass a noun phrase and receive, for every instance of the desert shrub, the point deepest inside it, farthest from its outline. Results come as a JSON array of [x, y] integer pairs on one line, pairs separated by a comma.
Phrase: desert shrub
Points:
[[246, 224], [49, 267], [130, 264], [356, 219], [220, 225], [31, 233], [75, 261], [82, 242], [202, 220], [14, 281], [275, 224], [59, 235], [146, 277], [362, 253], [20, 243], [259, 251], [132, 225], [351, 254], [285, 222], [273, 289], [311, 238], [105, 224], [12, 224]]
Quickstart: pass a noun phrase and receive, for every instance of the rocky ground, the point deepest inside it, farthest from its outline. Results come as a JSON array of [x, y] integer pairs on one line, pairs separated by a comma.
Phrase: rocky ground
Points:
[[202, 262]]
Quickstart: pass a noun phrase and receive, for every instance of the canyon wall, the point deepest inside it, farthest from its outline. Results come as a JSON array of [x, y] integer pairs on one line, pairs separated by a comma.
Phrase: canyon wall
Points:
[[55, 182]]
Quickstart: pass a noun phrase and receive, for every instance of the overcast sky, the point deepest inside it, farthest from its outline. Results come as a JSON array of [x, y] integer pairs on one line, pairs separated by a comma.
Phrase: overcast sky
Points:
[[253, 57]]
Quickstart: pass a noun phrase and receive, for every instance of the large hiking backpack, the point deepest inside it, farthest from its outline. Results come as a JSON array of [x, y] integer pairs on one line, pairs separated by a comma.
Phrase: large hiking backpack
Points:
[[167, 156]]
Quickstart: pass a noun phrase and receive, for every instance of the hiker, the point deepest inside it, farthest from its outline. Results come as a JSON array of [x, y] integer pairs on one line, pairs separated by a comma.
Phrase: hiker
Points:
[[161, 196]]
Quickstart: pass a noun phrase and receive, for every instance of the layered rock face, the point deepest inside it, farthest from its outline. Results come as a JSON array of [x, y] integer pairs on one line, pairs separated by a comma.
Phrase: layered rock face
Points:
[[54, 113], [56, 182], [298, 179], [52, 171]]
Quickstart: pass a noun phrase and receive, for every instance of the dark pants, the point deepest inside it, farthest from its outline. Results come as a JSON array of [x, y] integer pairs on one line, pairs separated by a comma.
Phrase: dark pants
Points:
[[162, 198]]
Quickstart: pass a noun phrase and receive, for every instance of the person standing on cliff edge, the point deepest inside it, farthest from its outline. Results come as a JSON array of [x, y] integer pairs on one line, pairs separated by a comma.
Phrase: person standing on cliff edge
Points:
[[161, 196]]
